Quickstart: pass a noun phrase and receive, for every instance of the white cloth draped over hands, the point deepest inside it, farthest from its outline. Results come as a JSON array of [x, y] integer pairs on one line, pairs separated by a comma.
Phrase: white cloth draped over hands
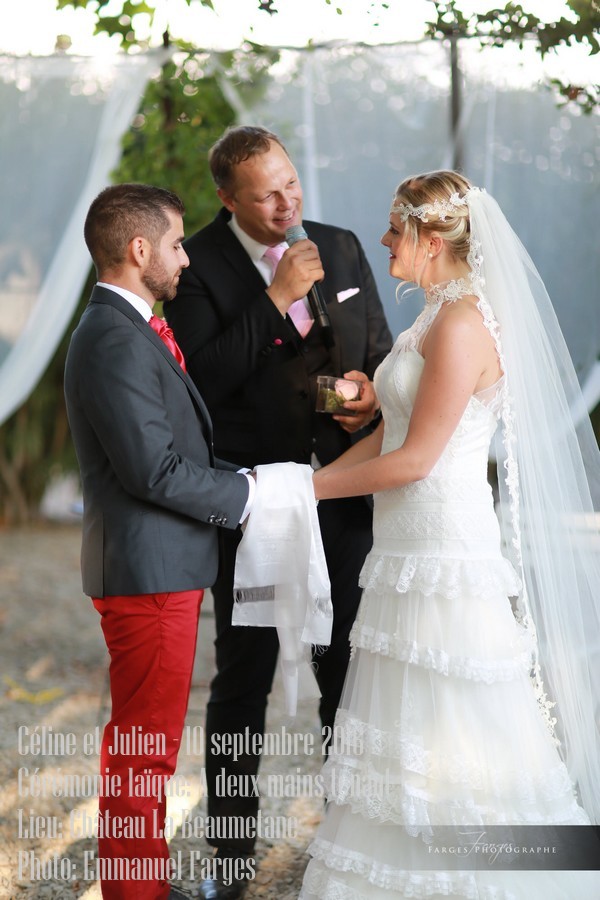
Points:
[[281, 577]]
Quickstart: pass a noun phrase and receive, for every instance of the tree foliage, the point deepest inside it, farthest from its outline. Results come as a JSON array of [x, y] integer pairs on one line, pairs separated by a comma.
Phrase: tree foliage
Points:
[[185, 109], [495, 27], [182, 114], [501, 25]]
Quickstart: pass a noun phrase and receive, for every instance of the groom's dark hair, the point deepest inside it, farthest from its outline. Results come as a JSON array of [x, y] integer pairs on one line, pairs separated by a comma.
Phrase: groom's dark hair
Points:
[[124, 211]]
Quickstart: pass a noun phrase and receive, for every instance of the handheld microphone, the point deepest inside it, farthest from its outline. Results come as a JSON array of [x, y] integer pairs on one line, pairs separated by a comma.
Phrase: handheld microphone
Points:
[[317, 305]]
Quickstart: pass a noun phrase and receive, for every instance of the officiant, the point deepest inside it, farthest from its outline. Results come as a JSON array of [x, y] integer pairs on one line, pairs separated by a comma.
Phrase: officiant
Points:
[[253, 348]]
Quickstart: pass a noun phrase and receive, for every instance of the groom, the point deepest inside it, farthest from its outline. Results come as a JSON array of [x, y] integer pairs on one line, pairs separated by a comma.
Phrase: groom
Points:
[[153, 494]]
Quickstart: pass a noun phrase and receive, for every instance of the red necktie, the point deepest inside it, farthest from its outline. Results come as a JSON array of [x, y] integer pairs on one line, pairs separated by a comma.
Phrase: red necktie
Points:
[[168, 338], [297, 312]]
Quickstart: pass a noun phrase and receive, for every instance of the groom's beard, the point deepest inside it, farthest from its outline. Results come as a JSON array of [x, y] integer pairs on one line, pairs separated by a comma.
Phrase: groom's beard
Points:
[[161, 285]]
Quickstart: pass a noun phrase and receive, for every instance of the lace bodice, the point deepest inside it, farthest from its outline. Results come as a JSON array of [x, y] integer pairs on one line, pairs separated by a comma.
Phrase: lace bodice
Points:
[[397, 381], [434, 531]]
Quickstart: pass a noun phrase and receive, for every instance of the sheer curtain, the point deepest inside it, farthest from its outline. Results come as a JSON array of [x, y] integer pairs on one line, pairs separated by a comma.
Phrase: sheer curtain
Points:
[[62, 119], [356, 121]]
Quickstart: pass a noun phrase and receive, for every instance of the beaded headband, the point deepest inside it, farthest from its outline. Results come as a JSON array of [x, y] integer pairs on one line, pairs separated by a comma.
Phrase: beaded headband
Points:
[[440, 208]]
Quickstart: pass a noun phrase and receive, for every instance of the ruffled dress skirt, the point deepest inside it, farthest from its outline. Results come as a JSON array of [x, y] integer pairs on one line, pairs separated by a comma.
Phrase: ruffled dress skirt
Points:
[[439, 724]]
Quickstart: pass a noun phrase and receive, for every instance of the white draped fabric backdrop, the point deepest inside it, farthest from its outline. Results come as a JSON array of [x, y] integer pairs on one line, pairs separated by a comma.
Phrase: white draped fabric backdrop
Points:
[[356, 121], [61, 124]]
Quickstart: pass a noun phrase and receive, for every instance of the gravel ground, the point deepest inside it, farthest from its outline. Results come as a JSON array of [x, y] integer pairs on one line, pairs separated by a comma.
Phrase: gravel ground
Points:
[[54, 665]]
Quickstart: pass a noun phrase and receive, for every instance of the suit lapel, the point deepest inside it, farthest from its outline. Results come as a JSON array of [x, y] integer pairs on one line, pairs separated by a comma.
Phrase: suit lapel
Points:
[[234, 254], [103, 295], [154, 339]]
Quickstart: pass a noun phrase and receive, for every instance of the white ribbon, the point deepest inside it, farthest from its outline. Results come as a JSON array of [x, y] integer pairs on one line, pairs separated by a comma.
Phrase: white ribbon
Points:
[[281, 575]]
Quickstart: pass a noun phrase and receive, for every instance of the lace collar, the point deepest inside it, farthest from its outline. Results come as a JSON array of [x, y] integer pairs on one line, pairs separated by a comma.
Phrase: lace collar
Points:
[[449, 291]]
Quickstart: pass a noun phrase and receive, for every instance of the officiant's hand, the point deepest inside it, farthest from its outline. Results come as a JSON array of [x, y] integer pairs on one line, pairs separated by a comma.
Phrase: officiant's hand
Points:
[[366, 408]]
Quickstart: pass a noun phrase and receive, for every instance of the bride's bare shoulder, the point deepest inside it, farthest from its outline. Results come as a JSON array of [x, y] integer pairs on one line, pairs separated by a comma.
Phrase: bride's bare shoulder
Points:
[[459, 336], [458, 320]]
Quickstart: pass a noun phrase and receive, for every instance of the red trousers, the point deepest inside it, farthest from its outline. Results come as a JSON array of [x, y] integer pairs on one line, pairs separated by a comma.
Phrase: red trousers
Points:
[[151, 639]]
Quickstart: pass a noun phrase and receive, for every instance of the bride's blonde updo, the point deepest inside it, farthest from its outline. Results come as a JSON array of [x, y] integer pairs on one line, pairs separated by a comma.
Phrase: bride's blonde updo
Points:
[[427, 203]]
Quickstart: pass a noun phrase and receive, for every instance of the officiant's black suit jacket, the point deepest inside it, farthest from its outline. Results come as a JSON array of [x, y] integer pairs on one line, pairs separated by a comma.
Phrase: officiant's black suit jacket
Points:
[[153, 491]]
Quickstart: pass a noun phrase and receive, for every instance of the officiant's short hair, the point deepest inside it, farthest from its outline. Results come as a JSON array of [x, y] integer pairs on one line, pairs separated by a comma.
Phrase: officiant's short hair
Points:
[[237, 144]]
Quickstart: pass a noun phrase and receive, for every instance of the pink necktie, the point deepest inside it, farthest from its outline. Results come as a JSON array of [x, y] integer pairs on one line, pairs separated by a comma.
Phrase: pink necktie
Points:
[[168, 338], [297, 312]]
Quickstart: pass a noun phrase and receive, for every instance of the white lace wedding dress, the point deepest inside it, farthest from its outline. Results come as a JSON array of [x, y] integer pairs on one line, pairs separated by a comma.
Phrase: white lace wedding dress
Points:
[[438, 724]]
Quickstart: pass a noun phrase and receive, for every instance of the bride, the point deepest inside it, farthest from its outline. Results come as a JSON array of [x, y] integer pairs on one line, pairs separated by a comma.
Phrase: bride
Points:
[[468, 633]]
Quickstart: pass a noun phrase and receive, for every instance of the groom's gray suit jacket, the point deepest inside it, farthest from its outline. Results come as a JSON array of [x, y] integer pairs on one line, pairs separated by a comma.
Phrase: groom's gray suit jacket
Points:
[[153, 491]]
